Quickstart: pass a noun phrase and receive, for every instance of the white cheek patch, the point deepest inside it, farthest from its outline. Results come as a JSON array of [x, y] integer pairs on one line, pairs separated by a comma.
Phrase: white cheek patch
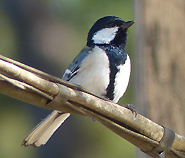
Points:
[[105, 36]]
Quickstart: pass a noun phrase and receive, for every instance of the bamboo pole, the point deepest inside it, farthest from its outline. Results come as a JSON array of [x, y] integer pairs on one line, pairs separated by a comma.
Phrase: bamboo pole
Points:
[[43, 90]]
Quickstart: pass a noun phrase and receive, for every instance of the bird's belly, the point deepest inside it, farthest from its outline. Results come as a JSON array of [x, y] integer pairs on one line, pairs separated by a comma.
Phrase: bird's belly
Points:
[[94, 82], [94, 72]]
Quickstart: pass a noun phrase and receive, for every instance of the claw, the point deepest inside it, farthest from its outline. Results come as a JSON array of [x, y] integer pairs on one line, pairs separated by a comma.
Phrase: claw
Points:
[[131, 108]]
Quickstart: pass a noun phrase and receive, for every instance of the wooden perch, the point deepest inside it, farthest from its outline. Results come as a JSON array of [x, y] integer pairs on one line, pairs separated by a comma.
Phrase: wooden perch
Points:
[[43, 90]]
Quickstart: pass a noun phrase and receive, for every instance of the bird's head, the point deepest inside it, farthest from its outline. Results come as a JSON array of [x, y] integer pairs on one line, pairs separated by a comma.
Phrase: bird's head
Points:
[[108, 30]]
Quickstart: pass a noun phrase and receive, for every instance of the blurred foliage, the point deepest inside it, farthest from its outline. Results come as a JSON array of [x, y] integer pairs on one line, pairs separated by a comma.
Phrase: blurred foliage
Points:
[[8, 44], [14, 124], [75, 17]]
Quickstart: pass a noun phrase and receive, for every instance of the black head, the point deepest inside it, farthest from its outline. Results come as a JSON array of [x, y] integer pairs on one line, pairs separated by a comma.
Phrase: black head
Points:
[[108, 30]]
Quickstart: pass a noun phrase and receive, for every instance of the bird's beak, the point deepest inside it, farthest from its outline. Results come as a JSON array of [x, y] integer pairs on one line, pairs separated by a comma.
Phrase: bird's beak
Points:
[[128, 24]]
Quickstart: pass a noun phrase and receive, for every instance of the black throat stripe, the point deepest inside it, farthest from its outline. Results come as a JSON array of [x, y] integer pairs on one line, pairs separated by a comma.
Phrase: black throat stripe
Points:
[[117, 56], [110, 89]]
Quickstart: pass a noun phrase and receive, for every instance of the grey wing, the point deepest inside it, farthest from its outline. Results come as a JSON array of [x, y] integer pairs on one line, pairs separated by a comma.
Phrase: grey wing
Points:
[[73, 68]]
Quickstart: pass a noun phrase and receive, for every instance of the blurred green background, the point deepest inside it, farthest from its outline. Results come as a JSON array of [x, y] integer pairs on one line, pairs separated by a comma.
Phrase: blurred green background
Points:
[[48, 35]]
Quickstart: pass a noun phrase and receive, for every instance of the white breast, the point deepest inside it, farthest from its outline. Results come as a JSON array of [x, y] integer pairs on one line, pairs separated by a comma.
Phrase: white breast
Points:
[[93, 74], [122, 80]]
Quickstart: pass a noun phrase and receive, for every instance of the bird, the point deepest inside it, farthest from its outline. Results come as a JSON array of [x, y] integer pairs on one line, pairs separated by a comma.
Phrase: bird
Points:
[[102, 67]]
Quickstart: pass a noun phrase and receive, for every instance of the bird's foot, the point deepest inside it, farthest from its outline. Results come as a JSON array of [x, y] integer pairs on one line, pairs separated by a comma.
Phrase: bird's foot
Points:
[[131, 108]]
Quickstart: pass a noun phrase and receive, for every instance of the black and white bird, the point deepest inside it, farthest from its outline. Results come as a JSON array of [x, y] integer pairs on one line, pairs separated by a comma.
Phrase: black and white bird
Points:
[[102, 67]]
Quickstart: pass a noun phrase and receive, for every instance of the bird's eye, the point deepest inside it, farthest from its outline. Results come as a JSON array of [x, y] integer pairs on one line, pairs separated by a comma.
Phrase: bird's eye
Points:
[[109, 24]]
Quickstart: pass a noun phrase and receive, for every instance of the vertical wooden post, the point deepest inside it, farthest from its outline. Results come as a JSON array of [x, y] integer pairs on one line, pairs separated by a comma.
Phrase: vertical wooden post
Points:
[[139, 66], [160, 62]]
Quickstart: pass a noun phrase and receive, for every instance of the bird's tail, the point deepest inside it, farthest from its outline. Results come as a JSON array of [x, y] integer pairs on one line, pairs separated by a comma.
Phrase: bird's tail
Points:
[[45, 129]]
